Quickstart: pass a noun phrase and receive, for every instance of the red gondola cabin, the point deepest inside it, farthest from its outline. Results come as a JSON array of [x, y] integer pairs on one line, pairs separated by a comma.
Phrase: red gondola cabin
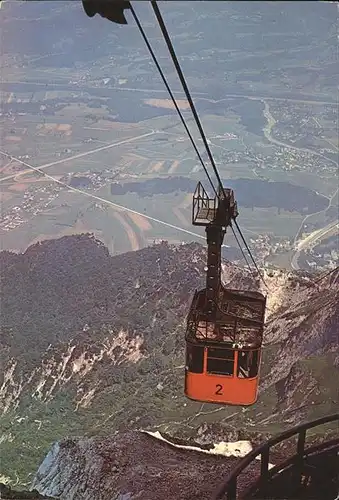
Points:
[[224, 327]]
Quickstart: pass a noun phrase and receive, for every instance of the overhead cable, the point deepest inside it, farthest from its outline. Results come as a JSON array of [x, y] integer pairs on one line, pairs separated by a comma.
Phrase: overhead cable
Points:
[[326, 274], [249, 252], [195, 114], [185, 87], [243, 253], [172, 97]]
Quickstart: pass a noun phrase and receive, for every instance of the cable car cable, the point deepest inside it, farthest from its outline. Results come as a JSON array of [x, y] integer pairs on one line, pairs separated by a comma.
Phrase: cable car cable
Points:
[[195, 114], [172, 97], [184, 84], [326, 274], [243, 253], [119, 18], [180, 114], [250, 253]]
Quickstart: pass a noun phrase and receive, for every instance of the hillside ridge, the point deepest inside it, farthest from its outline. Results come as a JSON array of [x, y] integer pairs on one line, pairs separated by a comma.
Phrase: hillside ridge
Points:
[[93, 343]]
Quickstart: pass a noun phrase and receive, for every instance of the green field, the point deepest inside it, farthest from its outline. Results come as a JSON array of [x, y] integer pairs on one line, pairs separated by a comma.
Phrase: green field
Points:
[[77, 112], [164, 152]]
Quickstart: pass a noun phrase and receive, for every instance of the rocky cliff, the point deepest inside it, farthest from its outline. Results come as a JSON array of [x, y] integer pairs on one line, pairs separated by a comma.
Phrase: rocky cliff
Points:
[[129, 466], [7, 493], [145, 465]]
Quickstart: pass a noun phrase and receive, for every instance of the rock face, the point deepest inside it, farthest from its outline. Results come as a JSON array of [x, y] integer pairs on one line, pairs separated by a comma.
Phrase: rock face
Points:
[[93, 344], [7, 493], [130, 466]]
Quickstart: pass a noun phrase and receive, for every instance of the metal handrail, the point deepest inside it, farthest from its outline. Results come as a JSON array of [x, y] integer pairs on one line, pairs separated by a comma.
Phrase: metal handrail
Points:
[[230, 484], [201, 200], [332, 444]]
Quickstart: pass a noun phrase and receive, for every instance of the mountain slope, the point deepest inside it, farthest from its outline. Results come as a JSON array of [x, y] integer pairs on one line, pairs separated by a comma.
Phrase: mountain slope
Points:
[[129, 465], [93, 343], [134, 465], [7, 493]]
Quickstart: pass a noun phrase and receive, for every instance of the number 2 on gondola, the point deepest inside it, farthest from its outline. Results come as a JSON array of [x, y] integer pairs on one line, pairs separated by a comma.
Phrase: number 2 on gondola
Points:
[[218, 392]]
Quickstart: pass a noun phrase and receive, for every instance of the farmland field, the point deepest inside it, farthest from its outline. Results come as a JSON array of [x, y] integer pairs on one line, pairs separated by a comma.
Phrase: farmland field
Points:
[[94, 116]]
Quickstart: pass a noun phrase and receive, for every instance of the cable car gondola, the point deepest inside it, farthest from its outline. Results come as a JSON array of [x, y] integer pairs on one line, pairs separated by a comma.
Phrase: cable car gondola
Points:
[[224, 327]]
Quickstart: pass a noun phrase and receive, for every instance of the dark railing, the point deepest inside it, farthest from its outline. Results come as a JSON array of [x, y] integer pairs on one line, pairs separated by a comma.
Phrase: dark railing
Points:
[[204, 208], [230, 486]]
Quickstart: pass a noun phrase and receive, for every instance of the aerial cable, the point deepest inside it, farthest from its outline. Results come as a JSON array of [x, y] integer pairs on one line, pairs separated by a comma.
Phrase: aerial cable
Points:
[[250, 253], [184, 84], [172, 97], [243, 253], [195, 114], [326, 274], [116, 14]]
